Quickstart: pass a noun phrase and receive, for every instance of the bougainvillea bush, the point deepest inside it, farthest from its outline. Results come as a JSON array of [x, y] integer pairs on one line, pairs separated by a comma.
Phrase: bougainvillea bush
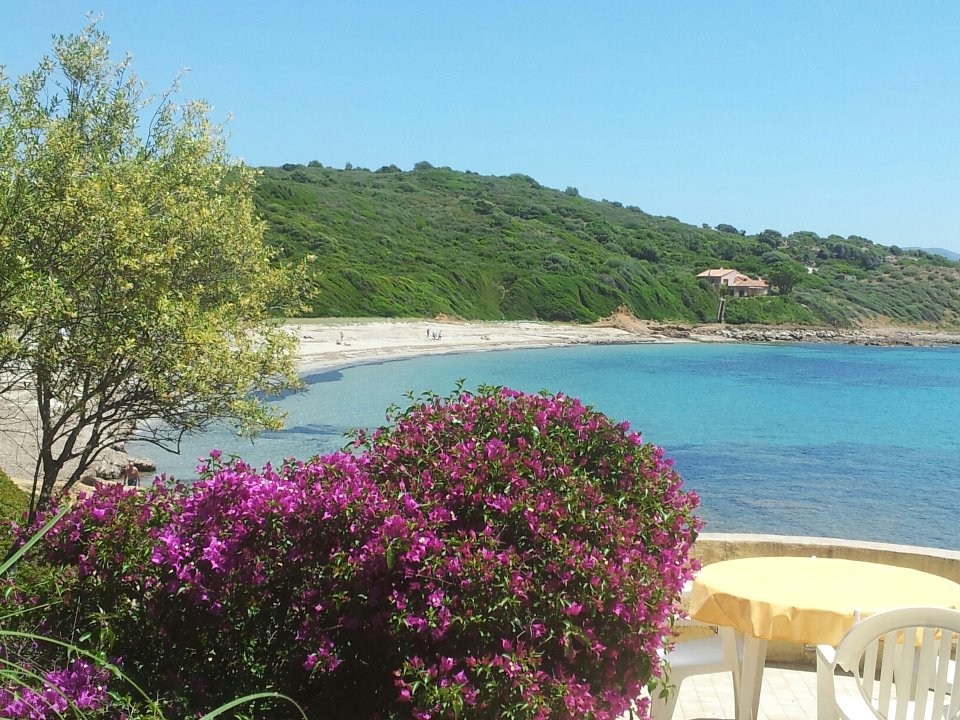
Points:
[[487, 555]]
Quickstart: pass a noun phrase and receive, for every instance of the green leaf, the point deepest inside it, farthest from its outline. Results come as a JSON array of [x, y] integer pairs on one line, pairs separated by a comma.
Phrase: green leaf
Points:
[[249, 699]]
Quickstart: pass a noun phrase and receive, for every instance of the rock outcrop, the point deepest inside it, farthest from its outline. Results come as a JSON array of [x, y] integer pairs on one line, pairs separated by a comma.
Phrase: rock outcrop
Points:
[[111, 463], [795, 334]]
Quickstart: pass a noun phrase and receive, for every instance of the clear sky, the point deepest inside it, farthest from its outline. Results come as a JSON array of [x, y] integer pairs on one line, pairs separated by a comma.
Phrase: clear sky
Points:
[[836, 116]]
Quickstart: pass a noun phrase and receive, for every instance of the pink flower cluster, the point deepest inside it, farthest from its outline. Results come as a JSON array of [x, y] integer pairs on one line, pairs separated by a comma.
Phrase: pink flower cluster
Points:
[[486, 555], [79, 686], [561, 544]]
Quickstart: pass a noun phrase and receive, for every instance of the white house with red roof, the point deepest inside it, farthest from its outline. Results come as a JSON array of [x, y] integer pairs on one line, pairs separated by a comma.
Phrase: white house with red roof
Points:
[[740, 285]]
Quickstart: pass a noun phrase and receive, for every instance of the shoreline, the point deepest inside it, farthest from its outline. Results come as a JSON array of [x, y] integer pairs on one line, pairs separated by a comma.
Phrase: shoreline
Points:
[[328, 344]]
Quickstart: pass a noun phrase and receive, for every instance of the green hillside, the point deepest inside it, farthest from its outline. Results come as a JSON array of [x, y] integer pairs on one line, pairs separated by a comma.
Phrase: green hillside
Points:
[[390, 243]]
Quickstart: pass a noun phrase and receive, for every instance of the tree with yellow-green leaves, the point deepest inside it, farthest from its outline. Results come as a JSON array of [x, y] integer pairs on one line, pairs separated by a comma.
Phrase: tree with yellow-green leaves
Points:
[[136, 292]]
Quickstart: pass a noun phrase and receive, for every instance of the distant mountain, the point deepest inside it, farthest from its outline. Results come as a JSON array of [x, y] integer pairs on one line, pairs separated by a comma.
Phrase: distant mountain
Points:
[[948, 254], [393, 243]]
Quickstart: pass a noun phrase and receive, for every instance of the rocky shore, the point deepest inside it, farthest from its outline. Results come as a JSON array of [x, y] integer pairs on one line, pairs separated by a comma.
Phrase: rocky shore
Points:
[[18, 454], [110, 466], [885, 337], [650, 331]]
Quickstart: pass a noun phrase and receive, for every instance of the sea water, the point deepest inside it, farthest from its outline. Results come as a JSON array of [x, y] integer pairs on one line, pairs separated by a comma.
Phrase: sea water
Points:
[[824, 440]]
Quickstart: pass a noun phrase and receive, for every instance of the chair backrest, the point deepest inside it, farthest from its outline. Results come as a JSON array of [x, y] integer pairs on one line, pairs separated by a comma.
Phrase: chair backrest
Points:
[[909, 674]]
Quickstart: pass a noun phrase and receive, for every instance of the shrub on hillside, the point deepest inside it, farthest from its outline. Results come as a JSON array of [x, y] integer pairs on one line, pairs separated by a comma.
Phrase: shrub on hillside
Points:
[[487, 555], [770, 310]]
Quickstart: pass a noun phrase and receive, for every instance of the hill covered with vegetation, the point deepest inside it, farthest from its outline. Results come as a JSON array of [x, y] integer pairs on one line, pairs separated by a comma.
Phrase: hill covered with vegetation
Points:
[[390, 243]]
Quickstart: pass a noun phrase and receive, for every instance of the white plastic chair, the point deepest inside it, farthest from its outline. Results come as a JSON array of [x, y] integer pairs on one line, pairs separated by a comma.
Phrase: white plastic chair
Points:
[[909, 677], [713, 654]]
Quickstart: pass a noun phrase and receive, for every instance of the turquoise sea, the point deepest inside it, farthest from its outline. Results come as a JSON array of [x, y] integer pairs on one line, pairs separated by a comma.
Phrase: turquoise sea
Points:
[[824, 440]]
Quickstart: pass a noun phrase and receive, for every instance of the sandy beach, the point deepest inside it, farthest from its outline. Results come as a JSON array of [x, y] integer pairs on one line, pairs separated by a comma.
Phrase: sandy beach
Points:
[[326, 343]]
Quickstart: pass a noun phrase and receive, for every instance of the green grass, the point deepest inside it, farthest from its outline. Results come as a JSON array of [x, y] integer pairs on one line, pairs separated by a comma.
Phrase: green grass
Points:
[[14, 502]]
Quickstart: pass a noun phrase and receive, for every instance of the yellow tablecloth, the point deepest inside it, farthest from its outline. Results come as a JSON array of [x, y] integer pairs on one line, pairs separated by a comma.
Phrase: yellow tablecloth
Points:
[[808, 600]]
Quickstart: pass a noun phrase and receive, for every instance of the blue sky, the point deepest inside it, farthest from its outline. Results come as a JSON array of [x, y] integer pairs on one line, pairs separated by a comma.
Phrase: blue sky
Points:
[[837, 117]]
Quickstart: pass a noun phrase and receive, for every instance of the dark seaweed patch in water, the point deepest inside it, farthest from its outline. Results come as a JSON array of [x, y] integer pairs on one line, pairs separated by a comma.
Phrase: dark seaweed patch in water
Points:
[[313, 430], [315, 379], [324, 377]]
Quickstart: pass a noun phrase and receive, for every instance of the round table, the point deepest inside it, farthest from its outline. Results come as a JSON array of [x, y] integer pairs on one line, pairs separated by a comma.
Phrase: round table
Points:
[[803, 600]]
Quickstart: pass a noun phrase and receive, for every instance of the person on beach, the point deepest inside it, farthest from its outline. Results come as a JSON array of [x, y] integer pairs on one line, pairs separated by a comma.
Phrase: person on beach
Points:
[[131, 474]]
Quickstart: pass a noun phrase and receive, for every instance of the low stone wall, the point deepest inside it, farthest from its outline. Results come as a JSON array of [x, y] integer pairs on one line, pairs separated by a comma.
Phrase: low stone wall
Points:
[[715, 547]]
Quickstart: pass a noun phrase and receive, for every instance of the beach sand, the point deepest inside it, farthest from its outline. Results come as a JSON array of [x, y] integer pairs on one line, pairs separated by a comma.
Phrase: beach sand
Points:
[[325, 344]]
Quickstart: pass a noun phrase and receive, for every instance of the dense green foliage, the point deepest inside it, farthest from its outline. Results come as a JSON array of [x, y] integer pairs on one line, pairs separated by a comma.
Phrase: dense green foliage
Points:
[[136, 290], [13, 500], [434, 240], [13, 505]]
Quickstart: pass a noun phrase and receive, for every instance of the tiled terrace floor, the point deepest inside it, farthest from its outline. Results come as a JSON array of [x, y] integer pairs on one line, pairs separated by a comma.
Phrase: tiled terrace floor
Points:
[[785, 695]]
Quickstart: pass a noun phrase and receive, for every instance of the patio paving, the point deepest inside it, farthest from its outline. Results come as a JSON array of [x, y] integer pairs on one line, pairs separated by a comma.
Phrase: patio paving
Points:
[[786, 695]]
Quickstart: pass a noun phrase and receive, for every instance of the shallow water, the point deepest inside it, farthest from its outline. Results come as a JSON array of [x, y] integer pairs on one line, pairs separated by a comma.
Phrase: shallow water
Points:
[[826, 440]]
